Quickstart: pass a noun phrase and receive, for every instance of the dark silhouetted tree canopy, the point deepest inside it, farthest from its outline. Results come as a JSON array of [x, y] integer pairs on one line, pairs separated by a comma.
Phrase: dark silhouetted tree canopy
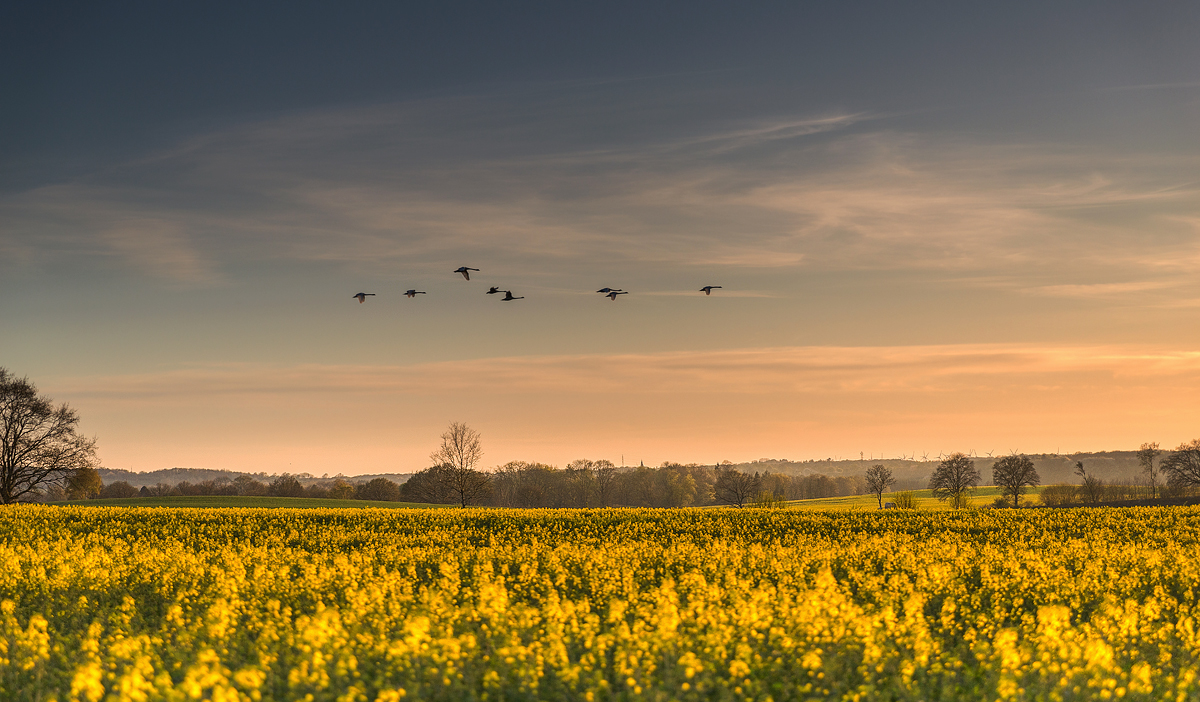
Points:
[[40, 444], [953, 478]]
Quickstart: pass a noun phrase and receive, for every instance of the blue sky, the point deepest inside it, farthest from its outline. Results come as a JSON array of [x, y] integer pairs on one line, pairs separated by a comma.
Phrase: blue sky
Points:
[[937, 228]]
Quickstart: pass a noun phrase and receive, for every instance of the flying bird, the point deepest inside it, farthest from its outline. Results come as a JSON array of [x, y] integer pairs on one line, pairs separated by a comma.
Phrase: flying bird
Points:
[[509, 296], [414, 293], [465, 271], [608, 290], [362, 297], [612, 295], [492, 290], [707, 289]]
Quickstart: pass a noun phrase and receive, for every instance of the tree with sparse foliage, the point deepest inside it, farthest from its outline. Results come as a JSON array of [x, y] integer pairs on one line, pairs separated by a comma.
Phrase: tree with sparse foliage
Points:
[[460, 452], [1012, 474], [953, 479], [286, 485], [1092, 488], [40, 444], [1146, 455], [879, 479], [733, 487], [1183, 465], [606, 476]]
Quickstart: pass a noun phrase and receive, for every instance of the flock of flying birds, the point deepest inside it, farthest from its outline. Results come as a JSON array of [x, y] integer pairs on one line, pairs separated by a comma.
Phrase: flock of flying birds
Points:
[[610, 293]]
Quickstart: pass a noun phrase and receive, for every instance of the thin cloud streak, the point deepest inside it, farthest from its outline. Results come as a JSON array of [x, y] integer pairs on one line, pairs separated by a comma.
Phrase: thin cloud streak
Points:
[[746, 371], [439, 178]]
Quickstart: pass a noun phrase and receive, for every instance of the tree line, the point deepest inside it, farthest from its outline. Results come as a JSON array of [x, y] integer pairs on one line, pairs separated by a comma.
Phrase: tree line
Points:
[[86, 484], [956, 475], [588, 483]]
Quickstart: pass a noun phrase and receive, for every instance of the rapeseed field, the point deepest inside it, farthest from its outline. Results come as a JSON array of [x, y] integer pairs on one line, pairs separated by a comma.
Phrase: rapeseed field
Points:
[[248, 604]]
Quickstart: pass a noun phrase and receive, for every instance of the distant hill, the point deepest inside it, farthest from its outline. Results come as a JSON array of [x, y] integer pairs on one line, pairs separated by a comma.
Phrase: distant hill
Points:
[[173, 476], [1053, 468]]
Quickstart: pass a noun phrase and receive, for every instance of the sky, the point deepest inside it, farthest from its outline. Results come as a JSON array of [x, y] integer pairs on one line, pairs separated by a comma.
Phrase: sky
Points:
[[937, 227]]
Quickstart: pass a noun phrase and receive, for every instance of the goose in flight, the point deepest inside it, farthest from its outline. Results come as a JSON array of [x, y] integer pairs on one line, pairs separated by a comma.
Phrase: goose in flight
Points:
[[608, 290], [612, 295], [509, 296], [362, 297], [492, 290], [466, 272], [707, 289], [414, 293]]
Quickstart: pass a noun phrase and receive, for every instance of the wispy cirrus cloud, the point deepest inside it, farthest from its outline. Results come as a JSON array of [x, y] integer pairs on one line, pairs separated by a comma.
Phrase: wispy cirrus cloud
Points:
[[553, 181], [1100, 290], [742, 371]]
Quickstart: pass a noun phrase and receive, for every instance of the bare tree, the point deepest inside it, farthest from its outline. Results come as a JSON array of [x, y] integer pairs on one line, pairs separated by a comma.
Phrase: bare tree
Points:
[[953, 478], [580, 483], [606, 477], [458, 455], [1092, 488], [1183, 465], [879, 479], [39, 442], [733, 487], [1013, 474], [1146, 455]]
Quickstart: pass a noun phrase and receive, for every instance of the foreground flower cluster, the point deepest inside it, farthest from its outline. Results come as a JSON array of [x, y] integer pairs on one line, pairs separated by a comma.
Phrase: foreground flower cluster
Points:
[[145, 604]]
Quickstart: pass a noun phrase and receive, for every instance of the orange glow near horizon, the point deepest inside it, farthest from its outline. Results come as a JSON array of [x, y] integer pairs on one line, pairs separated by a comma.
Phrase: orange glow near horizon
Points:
[[797, 403]]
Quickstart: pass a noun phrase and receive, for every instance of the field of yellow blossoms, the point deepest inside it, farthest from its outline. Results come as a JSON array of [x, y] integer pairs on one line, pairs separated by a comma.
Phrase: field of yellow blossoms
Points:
[[256, 604]]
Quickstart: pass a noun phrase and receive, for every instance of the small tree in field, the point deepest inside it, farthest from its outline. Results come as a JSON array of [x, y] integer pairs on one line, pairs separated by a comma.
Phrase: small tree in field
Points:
[[460, 452], [733, 487], [84, 484], [341, 489], [905, 500], [953, 479], [1092, 489], [879, 479], [1012, 474], [1146, 455]]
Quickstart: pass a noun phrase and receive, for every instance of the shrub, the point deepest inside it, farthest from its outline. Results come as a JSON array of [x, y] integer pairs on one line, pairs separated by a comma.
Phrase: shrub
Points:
[[905, 500], [341, 490], [379, 489], [119, 489], [1058, 495], [768, 500]]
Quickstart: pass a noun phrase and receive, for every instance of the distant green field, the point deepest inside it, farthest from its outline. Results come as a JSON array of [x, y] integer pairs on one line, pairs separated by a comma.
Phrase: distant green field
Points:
[[925, 500], [236, 501]]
